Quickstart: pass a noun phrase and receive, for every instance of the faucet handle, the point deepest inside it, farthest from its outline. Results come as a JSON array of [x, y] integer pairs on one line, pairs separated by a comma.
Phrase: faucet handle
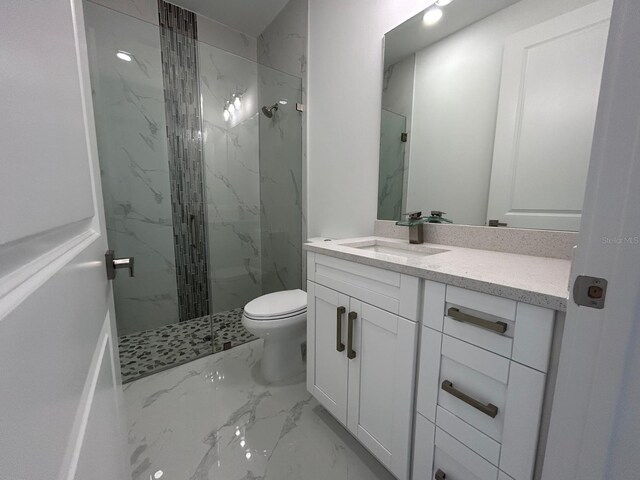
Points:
[[437, 213], [414, 215]]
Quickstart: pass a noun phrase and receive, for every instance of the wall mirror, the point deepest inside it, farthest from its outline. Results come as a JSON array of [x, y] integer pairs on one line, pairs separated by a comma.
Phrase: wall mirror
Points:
[[488, 111]]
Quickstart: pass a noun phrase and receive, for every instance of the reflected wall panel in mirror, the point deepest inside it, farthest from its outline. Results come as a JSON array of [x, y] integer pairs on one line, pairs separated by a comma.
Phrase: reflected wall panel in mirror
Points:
[[499, 99]]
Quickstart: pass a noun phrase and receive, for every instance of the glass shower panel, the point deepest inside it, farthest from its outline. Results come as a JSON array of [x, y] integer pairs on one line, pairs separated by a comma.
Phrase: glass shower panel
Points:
[[129, 110], [391, 175], [280, 181], [232, 177]]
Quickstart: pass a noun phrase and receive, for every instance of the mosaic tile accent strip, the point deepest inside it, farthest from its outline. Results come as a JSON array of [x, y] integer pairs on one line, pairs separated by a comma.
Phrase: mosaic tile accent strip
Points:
[[179, 50], [148, 352]]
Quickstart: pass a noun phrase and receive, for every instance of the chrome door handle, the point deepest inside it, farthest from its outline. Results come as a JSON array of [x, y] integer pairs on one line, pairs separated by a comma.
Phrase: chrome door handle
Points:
[[497, 327], [113, 263], [490, 409]]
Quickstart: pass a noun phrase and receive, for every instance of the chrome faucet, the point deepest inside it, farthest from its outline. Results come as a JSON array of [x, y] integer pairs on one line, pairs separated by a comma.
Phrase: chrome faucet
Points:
[[416, 230], [415, 221]]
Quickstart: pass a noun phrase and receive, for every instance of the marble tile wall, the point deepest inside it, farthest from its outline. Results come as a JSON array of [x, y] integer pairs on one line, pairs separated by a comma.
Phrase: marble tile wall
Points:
[[179, 49], [132, 144], [226, 38], [283, 46], [397, 97], [280, 181], [232, 176], [391, 165], [145, 10]]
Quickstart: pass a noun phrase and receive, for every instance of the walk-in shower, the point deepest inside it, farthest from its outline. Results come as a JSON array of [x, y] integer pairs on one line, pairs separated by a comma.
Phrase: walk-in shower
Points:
[[208, 203]]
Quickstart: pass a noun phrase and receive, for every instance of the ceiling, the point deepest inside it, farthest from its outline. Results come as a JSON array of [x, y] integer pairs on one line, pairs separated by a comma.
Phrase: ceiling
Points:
[[412, 35], [248, 16]]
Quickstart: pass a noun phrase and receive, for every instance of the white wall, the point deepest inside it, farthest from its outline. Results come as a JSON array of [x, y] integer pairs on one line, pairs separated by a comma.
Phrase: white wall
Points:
[[345, 81], [457, 84]]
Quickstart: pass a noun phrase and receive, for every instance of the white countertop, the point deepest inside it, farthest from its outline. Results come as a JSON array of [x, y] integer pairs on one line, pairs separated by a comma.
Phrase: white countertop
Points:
[[524, 278]]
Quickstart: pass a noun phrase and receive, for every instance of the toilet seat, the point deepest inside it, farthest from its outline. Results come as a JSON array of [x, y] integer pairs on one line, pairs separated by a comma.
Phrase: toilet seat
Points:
[[277, 306]]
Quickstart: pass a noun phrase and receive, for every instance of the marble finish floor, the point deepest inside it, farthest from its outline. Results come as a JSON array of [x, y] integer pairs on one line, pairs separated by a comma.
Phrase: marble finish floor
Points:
[[147, 352], [214, 418]]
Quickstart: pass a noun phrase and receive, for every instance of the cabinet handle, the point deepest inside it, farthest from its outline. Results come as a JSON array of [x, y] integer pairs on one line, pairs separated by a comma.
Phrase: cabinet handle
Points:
[[351, 353], [489, 409], [440, 475], [339, 312], [498, 327]]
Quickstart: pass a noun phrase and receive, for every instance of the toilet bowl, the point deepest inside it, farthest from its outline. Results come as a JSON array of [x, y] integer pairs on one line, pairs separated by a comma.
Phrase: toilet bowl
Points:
[[280, 319]]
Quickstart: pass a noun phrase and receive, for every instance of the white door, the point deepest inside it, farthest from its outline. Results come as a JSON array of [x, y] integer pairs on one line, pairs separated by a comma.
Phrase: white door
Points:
[[549, 92], [60, 398], [595, 422], [381, 379], [327, 367]]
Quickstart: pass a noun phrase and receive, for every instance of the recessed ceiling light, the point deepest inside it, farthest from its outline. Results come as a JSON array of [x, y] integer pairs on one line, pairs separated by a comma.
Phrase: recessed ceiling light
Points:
[[123, 56], [443, 3], [432, 16]]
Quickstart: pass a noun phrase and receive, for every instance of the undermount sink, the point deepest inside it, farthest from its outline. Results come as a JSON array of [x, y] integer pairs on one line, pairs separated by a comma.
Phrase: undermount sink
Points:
[[398, 250]]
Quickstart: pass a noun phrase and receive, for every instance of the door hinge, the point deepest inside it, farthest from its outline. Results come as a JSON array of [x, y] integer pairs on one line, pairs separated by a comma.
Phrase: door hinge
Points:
[[404, 136], [589, 291]]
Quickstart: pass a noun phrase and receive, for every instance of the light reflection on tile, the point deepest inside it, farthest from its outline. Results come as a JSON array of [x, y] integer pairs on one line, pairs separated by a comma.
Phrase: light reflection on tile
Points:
[[211, 419]]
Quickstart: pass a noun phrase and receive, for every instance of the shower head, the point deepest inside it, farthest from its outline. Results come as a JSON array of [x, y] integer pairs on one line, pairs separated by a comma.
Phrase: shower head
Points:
[[268, 111]]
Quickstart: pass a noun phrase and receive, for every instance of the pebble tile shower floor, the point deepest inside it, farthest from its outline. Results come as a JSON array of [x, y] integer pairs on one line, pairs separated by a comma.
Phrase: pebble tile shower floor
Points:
[[151, 351]]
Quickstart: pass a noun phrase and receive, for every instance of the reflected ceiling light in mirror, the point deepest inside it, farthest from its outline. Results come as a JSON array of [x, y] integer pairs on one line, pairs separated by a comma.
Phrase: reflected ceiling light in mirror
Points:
[[432, 16], [226, 114], [282, 101], [122, 55], [443, 3], [236, 101]]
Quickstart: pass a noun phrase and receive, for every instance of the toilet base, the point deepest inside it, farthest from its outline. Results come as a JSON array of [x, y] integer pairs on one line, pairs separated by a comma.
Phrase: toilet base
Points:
[[282, 359]]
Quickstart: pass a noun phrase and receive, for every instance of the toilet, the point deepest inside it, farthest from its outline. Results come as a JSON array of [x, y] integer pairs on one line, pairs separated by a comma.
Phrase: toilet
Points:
[[280, 319]]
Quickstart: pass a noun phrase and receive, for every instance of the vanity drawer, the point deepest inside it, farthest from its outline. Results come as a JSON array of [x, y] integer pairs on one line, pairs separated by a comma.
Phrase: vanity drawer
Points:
[[461, 387], [480, 319], [472, 385], [453, 460], [391, 291]]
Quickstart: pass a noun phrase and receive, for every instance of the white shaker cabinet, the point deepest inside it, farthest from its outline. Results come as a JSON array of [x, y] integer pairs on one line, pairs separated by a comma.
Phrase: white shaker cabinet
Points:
[[361, 355], [481, 384], [481, 370]]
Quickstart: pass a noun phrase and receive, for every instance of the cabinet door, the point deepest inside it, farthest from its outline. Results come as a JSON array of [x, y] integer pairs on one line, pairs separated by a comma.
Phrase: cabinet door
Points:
[[381, 380], [327, 367]]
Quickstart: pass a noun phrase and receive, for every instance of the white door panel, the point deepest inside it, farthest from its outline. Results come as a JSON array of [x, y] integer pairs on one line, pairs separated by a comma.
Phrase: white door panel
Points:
[[60, 385], [327, 367], [381, 380], [546, 115]]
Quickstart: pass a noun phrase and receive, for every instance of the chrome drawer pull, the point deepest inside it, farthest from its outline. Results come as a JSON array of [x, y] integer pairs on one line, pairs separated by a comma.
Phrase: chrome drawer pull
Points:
[[490, 409], [351, 353], [498, 327], [440, 475], [339, 312]]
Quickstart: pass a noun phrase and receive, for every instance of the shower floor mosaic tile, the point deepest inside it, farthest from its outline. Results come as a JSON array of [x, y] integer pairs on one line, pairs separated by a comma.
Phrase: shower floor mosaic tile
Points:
[[229, 331], [151, 351]]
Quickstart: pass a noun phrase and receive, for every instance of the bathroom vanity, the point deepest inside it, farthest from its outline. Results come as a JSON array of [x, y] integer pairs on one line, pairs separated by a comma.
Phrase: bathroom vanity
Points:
[[435, 357]]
